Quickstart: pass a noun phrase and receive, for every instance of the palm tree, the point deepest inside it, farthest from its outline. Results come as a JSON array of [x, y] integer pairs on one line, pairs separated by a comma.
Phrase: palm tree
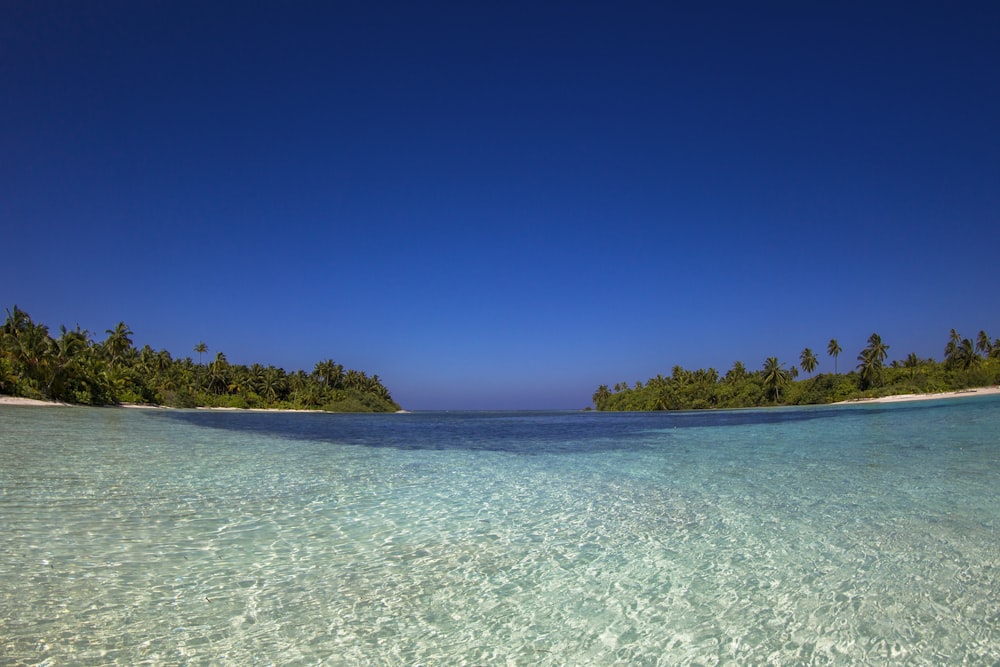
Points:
[[702, 376], [736, 373], [871, 361], [775, 377], [376, 388], [808, 360], [201, 349], [954, 340], [879, 349], [680, 375], [379, 391], [65, 351], [118, 342], [25, 344], [913, 363], [330, 373], [868, 368], [298, 381], [272, 384], [163, 362], [355, 379], [601, 396], [218, 374], [146, 355], [833, 349], [983, 344], [964, 355], [239, 381], [255, 378], [969, 356]]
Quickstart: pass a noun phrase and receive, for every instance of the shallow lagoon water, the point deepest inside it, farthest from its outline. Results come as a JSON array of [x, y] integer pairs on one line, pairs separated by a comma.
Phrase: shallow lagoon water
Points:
[[834, 535]]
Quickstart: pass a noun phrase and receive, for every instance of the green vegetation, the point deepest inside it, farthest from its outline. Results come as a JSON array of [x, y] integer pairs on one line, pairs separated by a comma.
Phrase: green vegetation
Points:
[[966, 364], [74, 369]]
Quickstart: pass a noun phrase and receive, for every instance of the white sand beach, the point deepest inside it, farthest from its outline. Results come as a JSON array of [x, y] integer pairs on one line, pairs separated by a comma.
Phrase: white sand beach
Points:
[[961, 393], [16, 400]]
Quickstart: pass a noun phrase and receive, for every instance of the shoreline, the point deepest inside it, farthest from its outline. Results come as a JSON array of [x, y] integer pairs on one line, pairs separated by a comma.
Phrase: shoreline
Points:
[[897, 398], [33, 402], [18, 400], [901, 398]]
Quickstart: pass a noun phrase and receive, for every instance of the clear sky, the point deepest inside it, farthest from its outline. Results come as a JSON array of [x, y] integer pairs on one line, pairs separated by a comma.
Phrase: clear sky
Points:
[[503, 205]]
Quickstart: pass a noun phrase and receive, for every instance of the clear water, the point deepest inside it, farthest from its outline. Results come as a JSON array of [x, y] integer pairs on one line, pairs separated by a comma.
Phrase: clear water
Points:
[[840, 535]]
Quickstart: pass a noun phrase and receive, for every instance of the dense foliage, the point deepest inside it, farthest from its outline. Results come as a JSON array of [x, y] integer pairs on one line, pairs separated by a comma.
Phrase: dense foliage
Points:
[[966, 364], [73, 368]]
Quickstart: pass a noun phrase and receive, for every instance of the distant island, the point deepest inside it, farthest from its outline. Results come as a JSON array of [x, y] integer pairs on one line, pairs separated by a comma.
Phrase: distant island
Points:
[[73, 368], [966, 364]]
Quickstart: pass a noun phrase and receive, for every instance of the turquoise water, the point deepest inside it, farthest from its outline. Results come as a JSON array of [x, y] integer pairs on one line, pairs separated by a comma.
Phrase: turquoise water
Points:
[[840, 535]]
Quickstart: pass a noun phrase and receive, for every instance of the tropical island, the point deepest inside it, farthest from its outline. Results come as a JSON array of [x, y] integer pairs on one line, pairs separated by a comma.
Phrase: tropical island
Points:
[[967, 364], [73, 368]]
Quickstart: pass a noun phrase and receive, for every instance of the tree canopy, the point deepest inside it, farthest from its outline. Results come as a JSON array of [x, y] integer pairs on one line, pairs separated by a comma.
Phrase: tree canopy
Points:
[[74, 368], [966, 364]]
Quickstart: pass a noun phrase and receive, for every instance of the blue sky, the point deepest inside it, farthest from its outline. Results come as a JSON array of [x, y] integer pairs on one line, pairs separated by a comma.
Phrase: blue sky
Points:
[[503, 206]]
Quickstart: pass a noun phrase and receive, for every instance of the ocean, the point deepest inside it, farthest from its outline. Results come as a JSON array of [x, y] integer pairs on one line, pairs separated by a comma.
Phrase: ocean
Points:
[[834, 535]]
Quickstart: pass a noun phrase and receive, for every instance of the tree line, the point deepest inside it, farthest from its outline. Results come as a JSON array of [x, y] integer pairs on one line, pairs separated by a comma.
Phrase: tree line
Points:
[[73, 368], [967, 363]]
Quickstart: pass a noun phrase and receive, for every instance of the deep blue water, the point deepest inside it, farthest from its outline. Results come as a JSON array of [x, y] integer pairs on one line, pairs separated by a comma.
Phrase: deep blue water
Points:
[[529, 432], [862, 534]]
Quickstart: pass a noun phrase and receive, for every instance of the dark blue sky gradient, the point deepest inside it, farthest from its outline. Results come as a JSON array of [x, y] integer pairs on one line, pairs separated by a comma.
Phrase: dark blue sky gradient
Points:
[[503, 206]]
